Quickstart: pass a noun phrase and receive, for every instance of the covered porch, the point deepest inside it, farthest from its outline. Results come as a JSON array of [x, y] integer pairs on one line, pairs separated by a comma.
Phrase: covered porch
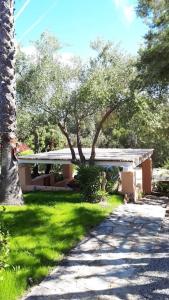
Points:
[[127, 159]]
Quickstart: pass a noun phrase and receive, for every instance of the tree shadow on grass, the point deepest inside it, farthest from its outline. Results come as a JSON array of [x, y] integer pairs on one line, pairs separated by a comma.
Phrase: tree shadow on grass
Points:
[[52, 198], [40, 242]]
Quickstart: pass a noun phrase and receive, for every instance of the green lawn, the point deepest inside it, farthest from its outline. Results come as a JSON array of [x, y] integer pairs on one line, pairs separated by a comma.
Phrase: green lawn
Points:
[[42, 231]]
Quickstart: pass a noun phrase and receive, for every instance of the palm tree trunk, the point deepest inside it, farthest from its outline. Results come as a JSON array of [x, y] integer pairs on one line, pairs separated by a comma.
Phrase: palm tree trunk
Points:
[[10, 191]]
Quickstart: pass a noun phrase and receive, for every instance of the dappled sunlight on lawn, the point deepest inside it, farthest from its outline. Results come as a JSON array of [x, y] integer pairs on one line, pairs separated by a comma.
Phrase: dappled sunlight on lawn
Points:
[[42, 231]]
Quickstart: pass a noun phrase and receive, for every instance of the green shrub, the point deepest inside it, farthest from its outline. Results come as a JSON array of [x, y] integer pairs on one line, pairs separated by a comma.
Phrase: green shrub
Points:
[[89, 182], [166, 164], [112, 176], [101, 196], [162, 187]]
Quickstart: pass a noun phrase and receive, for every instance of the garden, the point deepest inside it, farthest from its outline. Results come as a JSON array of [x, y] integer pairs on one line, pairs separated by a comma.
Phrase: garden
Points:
[[106, 99]]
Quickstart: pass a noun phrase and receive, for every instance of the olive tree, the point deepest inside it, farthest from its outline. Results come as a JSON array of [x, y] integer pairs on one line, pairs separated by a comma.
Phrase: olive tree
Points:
[[79, 97]]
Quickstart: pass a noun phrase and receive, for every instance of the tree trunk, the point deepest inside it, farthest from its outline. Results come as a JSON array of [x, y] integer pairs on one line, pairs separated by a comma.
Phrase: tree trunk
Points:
[[74, 160], [36, 141], [36, 148], [98, 130], [10, 191], [79, 145]]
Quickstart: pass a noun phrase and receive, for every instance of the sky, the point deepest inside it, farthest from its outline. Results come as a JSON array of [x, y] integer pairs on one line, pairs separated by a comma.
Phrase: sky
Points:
[[77, 22]]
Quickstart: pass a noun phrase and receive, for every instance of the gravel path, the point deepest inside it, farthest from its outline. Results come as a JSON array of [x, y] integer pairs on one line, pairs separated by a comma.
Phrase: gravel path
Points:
[[125, 257]]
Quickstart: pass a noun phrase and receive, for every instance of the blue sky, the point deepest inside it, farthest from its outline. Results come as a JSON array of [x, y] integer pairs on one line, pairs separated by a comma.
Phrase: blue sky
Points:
[[76, 22]]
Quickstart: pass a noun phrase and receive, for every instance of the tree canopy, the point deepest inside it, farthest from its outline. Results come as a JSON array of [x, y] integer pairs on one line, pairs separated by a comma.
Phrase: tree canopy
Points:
[[88, 104], [153, 60], [77, 98]]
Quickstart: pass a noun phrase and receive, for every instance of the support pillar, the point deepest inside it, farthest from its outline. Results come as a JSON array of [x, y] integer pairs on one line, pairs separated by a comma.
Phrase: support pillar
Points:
[[128, 180], [147, 176], [25, 176], [68, 171]]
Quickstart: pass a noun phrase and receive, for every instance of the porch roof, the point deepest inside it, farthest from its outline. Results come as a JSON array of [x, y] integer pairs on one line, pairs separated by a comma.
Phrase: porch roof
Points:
[[126, 158]]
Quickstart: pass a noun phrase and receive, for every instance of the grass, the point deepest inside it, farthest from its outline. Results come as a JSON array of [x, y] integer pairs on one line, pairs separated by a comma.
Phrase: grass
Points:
[[42, 232]]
